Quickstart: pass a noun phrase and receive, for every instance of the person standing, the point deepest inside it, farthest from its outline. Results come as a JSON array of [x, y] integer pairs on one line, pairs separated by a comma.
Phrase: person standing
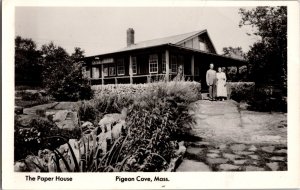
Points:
[[210, 81], [221, 84]]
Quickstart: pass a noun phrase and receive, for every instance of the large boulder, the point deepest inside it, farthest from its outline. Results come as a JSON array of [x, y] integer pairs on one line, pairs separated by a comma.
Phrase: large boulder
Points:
[[66, 119], [117, 129]]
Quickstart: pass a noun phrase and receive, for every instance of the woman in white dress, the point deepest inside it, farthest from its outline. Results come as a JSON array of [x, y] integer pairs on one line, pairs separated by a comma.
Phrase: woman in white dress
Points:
[[221, 85]]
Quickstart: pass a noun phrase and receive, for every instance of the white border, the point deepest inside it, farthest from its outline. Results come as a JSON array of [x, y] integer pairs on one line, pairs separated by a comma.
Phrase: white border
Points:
[[190, 180]]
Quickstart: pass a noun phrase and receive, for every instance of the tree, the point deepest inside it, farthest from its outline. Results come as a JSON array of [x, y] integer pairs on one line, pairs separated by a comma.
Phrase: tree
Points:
[[28, 65], [78, 54], [232, 71], [62, 74], [268, 57], [234, 52]]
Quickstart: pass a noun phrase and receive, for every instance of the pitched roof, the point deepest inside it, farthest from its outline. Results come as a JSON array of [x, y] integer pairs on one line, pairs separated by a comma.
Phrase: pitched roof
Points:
[[160, 41]]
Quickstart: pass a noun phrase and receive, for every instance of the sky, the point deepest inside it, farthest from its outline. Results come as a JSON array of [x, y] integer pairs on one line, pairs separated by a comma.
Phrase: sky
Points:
[[103, 29]]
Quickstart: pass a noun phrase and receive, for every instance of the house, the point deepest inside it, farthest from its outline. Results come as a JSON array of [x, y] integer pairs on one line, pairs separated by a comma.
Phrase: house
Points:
[[189, 54]]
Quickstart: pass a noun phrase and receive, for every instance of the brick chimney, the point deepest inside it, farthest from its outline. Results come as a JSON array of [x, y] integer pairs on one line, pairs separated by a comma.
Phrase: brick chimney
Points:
[[130, 37]]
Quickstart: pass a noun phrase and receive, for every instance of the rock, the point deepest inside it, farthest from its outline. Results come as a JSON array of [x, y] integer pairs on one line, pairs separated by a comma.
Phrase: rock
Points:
[[25, 120], [252, 148], [239, 162], [222, 146], [228, 167], [194, 151], [243, 105], [200, 144], [214, 151], [117, 129], [243, 153], [87, 127], [191, 165], [20, 167], [43, 92], [113, 118], [212, 161], [181, 150], [254, 157], [202, 116], [230, 156], [238, 147], [74, 106], [40, 112], [274, 166], [281, 151], [268, 149], [50, 115], [277, 158], [66, 119], [212, 155], [19, 110], [30, 165], [254, 168]]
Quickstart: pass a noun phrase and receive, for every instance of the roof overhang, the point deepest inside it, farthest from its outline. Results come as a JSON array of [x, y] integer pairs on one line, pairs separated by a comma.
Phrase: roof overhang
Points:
[[235, 61]]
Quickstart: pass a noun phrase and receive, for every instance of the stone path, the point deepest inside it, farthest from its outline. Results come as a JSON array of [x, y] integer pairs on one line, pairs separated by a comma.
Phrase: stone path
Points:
[[235, 139]]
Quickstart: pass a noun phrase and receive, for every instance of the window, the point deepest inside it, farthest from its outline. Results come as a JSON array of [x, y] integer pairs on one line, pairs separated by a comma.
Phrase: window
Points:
[[163, 60], [134, 65], [202, 46], [87, 72], [173, 64], [95, 72], [112, 71], [153, 63], [105, 71], [120, 67]]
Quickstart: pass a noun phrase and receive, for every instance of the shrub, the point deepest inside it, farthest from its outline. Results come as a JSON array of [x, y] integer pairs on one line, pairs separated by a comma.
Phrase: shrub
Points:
[[72, 87], [39, 134], [268, 98], [241, 91]]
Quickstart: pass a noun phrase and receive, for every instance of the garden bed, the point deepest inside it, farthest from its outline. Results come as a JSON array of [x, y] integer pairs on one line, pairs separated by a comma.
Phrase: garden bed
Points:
[[144, 137]]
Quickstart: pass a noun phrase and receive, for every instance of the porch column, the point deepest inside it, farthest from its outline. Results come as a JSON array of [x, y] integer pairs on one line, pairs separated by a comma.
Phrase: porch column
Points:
[[193, 67], [102, 74], [130, 69], [167, 66], [237, 73]]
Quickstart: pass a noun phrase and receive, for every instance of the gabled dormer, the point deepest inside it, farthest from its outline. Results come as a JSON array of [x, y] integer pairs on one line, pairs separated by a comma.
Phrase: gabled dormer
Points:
[[199, 41]]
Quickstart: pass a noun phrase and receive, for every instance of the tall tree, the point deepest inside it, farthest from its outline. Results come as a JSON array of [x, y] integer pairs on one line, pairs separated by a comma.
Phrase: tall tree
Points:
[[234, 52], [62, 77], [28, 65], [268, 56], [78, 54]]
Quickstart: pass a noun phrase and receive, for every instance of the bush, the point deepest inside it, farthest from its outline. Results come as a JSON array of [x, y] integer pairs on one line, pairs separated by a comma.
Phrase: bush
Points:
[[72, 87], [268, 98], [241, 91], [40, 134], [260, 98]]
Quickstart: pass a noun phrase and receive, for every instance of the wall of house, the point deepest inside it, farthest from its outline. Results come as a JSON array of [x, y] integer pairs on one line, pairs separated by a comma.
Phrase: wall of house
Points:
[[195, 43]]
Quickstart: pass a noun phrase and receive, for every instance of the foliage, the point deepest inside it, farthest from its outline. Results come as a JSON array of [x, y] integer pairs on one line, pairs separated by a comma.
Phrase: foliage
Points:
[[39, 134], [62, 75], [268, 98], [268, 57], [260, 98], [27, 62], [241, 91], [234, 52], [157, 119]]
